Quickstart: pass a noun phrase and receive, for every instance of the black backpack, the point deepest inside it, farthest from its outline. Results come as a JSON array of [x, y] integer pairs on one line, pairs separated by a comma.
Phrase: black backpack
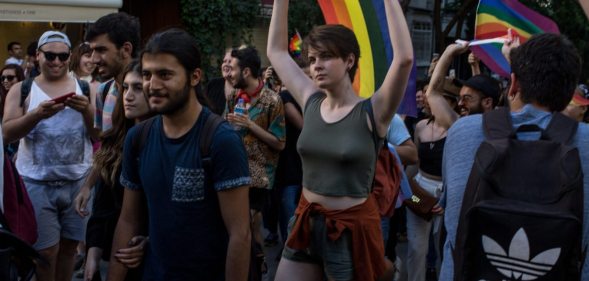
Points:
[[522, 212], [25, 89], [18, 259]]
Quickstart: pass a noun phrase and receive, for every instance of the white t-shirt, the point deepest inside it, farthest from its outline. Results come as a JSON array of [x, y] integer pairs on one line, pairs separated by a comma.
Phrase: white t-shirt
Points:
[[13, 60]]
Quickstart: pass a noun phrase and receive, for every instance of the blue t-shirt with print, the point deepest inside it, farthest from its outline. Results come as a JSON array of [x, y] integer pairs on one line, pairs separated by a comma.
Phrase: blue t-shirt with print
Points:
[[188, 238]]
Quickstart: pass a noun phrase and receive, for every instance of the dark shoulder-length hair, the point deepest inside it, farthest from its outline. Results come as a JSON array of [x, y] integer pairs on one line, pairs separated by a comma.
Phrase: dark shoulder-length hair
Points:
[[109, 157]]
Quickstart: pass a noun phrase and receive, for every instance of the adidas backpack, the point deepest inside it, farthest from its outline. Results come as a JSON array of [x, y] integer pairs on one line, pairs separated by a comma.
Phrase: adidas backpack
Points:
[[522, 212]]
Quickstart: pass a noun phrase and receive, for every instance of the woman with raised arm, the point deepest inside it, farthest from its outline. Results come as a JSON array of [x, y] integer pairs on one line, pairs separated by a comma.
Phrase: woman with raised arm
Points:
[[337, 225]]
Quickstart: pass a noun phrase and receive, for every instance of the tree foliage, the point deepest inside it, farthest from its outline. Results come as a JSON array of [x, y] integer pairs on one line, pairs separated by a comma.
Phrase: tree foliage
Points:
[[303, 15], [217, 24], [571, 21]]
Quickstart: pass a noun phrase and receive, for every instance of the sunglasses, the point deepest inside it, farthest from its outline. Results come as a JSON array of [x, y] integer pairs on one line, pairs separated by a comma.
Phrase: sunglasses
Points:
[[50, 56], [7, 77]]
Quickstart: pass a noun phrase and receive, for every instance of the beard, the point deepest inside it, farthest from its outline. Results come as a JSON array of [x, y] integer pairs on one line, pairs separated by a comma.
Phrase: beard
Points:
[[176, 101], [465, 111], [240, 84]]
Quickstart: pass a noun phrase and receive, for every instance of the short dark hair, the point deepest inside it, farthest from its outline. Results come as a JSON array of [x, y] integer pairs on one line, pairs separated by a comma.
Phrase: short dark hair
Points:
[[177, 43], [120, 28], [336, 40], [32, 49], [11, 44], [248, 57], [547, 67]]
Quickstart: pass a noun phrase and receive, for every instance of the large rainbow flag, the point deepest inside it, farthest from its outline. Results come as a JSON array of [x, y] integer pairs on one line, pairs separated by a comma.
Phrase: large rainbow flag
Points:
[[367, 19], [493, 19]]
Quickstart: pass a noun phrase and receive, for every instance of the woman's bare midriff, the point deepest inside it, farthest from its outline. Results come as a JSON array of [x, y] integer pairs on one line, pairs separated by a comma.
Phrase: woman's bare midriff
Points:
[[332, 202], [430, 176]]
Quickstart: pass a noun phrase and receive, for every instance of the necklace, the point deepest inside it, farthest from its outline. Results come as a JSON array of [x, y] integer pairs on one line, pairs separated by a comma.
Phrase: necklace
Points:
[[433, 143]]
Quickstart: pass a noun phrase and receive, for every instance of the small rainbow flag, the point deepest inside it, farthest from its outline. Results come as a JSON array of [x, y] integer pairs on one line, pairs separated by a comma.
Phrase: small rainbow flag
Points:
[[493, 19], [368, 20], [295, 44]]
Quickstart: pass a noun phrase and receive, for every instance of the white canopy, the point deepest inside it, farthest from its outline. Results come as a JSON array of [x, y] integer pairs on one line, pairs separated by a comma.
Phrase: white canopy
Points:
[[80, 11]]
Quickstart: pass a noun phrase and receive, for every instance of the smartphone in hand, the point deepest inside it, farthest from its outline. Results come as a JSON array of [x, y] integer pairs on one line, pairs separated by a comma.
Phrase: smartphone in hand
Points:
[[62, 99]]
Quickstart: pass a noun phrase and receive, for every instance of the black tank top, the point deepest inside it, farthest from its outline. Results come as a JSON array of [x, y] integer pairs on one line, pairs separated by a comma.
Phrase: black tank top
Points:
[[430, 156]]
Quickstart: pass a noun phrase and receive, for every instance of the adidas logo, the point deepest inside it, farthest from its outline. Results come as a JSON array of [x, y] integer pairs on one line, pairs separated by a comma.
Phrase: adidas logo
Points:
[[516, 263]]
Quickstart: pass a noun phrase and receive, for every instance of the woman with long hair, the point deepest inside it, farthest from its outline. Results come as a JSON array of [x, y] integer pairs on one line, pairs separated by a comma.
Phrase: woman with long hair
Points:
[[131, 107], [336, 229]]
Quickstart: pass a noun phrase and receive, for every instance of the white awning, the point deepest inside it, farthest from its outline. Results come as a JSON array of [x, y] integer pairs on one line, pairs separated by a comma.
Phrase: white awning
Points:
[[80, 11]]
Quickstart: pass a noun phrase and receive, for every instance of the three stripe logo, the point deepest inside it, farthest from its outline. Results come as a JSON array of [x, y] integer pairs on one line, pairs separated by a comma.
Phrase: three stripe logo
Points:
[[516, 263]]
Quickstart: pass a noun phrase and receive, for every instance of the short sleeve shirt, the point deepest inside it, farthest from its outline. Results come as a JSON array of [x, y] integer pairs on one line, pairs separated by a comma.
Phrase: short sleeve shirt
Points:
[[397, 133], [268, 113], [187, 235]]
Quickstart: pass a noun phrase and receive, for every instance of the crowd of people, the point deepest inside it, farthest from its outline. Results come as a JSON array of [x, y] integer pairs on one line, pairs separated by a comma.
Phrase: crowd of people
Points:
[[166, 177]]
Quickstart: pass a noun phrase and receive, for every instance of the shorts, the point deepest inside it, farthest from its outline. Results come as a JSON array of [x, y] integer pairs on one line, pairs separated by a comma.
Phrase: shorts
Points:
[[334, 256], [55, 212], [258, 198]]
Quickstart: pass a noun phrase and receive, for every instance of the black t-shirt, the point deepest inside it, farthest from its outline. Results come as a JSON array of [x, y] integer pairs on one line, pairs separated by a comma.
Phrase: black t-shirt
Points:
[[289, 170], [215, 93]]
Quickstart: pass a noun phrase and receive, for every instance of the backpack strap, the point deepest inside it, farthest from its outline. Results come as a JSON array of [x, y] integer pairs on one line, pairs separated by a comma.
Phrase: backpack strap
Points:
[[25, 89], [206, 137], [105, 89], [140, 137], [561, 128], [26, 85], [367, 104], [497, 124]]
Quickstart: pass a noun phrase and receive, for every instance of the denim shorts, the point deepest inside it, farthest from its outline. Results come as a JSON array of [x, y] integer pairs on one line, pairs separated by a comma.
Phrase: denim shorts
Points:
[[258, 198], [334, 256], [55, 212]]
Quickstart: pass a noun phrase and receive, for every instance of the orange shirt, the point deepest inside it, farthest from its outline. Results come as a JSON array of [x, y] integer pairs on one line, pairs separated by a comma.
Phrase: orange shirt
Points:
[[362, 220]]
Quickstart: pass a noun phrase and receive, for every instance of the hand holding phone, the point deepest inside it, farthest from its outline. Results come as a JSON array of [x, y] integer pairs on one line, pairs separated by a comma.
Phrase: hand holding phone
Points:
[[62, 99]]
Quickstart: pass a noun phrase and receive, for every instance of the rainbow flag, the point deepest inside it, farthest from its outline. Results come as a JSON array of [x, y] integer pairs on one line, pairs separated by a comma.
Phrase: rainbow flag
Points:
[[493, 19], [367, 19], [295, 44]]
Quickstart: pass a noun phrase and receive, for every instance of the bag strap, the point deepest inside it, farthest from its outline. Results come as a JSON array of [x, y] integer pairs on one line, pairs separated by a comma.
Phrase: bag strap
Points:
[[25, 89], [84, 86], [367, 104], [206, 137], [497, 124], [561, 128], [140, 137], [105, 89]]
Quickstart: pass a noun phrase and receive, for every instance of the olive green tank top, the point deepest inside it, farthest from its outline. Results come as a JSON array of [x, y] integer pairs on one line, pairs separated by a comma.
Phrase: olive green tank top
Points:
[[338, 158]]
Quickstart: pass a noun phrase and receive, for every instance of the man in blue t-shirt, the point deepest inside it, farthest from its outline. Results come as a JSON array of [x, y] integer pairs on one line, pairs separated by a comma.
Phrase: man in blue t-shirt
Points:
[[545, 71], [198, 216]]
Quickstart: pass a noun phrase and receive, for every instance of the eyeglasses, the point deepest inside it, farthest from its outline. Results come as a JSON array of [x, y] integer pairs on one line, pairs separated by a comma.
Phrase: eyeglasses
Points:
[[468, 99], [50, 56], [7, 77]]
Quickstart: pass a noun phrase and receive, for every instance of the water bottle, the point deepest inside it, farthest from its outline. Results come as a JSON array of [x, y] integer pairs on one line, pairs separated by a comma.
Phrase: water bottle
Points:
[[241, 110]]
